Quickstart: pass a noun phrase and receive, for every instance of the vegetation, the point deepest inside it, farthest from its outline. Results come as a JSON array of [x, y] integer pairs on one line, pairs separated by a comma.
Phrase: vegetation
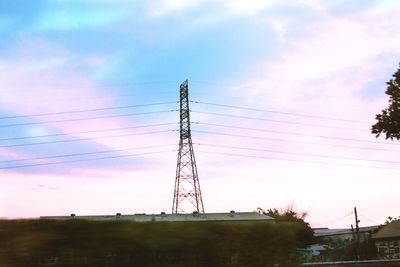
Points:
[[348, 249], [122, 243], [391, 219], [389, 119], [305, 234]]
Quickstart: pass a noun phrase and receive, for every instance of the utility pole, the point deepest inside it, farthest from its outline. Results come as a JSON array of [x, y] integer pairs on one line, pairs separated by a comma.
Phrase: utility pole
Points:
[[353, 233], [187, 193], [357, 233]]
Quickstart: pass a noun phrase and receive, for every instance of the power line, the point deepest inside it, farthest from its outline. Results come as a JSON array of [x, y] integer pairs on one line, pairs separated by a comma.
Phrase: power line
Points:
[[279, 121], [84, 153], [84, 139], [90, 118], [296, 160], [278, 112], [52, 99], [84, 132], [81, 160], [293, 141], [369, 219], [106, 86], [292, 133], [336, 220], [299, 154], [62, 88], [86, 110]]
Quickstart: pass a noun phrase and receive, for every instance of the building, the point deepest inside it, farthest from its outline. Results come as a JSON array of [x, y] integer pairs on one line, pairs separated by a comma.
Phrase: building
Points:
[[345, 236], [387, 241], [341, 244], [314, 252], [232, 216]]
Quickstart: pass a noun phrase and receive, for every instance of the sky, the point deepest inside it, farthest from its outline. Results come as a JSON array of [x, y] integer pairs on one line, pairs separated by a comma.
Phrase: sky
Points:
[[283, 94]]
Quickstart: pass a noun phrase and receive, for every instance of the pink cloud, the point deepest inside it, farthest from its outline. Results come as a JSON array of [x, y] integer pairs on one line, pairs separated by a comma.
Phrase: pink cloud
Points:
[[48, 75]]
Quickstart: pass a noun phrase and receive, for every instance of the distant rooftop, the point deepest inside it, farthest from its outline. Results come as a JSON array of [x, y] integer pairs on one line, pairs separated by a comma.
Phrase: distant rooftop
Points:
[[388, 231], [163, 217], [329, 232]]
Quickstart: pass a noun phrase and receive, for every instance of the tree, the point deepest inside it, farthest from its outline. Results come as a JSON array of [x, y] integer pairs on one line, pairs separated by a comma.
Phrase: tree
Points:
[[391, 219], [389, 119], [305, 234]]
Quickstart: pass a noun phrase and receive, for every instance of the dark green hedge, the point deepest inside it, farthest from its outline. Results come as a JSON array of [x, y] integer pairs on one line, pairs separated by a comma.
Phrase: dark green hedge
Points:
[[122, 243]]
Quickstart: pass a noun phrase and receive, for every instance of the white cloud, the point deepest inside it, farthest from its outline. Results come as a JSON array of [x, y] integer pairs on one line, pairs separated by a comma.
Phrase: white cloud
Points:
[[333, 51], [248, 7], [314, 4], [166, 7], [221, 8], [385, 8]]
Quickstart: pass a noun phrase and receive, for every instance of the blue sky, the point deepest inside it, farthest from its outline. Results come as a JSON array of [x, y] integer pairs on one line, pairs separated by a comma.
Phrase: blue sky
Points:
[[326, 59]]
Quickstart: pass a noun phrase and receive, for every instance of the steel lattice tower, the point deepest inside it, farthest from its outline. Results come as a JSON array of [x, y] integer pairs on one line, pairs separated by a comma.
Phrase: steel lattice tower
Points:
[[187, 187]]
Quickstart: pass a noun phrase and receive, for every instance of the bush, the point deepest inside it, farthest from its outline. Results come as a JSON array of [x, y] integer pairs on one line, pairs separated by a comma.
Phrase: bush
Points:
[[123, 243]]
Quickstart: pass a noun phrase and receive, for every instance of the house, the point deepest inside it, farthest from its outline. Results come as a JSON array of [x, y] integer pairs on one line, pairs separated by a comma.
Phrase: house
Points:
[[344, 236], [387, 241], [341, 244], [314, 252], [231, 216]]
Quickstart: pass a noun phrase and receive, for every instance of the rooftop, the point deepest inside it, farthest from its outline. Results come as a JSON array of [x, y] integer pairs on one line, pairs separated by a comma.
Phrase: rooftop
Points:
[[163, 217], [330, 232], [388, 231]]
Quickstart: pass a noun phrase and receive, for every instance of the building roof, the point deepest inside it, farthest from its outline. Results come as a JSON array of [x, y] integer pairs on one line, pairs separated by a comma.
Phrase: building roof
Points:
[[321, 232], [162, 217], [388, 231]]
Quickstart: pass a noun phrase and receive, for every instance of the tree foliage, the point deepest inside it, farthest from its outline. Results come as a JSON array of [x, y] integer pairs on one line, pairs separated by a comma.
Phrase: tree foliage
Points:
[[305, 234], [389, 120], [391, 219]]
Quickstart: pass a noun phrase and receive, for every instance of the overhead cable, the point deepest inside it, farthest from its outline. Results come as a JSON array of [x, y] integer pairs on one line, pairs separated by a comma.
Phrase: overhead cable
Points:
[[273, 120], [336, 220], [90, 118], [299, 154], [292, 133], [87, 110], [85, 132], [296, 160], [82, 160], [278, 112], [85, 139], [293, 141], [84, 153]]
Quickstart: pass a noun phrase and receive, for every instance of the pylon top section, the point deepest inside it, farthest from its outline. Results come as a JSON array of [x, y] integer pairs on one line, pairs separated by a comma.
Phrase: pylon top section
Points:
[[184, 111]]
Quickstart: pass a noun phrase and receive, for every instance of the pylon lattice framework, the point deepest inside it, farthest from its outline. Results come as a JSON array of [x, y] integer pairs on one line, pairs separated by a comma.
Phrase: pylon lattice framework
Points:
[[187, 187]]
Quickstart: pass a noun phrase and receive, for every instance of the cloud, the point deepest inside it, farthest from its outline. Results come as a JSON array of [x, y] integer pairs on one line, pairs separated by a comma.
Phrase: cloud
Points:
[[40, 77], [307, 56], [164, 7], [28, 195], [219, 9], [333, 52], [78, 20], [322, 66], [248, 7], [37, 69]]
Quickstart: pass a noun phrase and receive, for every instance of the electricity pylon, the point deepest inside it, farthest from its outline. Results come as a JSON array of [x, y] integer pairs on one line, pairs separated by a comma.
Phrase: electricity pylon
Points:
[[187, 192]]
